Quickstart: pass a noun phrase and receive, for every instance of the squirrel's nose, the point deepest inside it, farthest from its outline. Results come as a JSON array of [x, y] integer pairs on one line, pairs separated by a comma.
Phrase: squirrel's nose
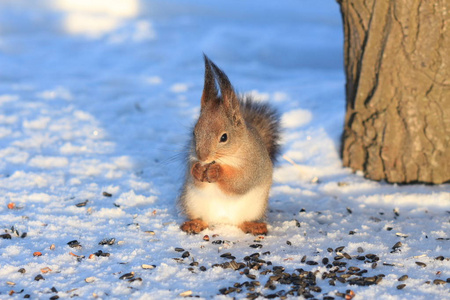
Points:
[[202, 154]]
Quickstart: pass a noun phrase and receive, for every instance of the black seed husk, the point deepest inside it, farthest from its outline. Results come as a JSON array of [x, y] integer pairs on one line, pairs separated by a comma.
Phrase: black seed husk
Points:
[[81, 204], [360, 250], [288, 243], [179, 249], [106, 194], [401, 286], [325, 260], [203, 268], [185, 254], [330, 250], [5, 236], [73, 244], [22, 270], [311, 263], [339, 249], [439, 258], [127, 276], [256, 246], [303, 259]]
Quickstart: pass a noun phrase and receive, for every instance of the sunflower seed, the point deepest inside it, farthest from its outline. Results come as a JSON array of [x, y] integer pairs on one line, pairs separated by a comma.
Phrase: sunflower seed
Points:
[[421, 264], [74, 244], [397, 245], [439, 281], [339, 249], [106, 194], [185, 254], [401, 286], [39, 277], [403, 278], [109, 242], [179, 249], [81, 204]]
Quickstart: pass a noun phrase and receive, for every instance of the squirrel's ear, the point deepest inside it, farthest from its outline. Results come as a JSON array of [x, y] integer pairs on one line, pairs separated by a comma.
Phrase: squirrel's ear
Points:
[[230, 99], [209, 88]]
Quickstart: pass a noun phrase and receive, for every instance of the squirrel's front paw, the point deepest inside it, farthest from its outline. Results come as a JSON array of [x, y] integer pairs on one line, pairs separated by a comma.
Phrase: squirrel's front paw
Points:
[[212, 172], [255, 228], [198, 171], [194, 226]]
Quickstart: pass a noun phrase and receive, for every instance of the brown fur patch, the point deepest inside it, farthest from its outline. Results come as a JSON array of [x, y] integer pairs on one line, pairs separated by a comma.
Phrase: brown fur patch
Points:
[[194, 226], [228, 176], [255, 228]]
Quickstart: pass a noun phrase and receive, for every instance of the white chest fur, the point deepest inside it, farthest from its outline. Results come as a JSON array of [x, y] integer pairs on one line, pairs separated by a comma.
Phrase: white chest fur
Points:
[[213, 206]]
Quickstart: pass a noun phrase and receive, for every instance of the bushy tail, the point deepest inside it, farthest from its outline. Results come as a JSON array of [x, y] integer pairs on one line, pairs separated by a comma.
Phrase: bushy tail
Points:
[[266, 121]]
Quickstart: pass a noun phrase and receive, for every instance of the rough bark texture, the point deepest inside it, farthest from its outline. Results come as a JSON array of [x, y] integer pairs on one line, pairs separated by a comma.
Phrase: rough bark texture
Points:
[[397, 60]]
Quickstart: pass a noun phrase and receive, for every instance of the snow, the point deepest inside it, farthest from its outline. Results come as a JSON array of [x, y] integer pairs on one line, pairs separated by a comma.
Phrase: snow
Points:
[[99, 96]]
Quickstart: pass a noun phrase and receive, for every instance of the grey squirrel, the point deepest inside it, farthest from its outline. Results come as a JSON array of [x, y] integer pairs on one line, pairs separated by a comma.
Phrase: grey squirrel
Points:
[[235, 143]]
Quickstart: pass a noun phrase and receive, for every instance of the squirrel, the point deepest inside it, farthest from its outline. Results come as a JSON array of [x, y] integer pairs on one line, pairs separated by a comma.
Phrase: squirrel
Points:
[[234, 146]]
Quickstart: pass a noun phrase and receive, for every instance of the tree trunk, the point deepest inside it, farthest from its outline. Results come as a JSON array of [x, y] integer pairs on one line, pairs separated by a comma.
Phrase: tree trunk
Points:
[[397, 61]]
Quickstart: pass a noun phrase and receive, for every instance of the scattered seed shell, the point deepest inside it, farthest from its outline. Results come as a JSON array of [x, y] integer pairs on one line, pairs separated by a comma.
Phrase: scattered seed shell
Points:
[[90, 279], [146, 266], [401, 286], [186, 294]]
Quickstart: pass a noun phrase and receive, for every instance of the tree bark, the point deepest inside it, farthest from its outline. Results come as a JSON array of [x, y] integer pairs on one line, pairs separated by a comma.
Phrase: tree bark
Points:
[[397, 63]]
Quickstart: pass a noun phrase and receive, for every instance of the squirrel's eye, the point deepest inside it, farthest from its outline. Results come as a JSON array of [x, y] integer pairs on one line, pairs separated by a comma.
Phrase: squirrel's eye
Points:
[[223, 138]]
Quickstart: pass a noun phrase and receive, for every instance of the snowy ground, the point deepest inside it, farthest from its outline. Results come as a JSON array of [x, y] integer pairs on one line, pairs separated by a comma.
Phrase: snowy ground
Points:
[[100, 98]]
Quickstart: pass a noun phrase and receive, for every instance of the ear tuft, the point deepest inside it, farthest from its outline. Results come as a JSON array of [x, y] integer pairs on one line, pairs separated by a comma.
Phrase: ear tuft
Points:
[[209, 88], [229, 97]]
